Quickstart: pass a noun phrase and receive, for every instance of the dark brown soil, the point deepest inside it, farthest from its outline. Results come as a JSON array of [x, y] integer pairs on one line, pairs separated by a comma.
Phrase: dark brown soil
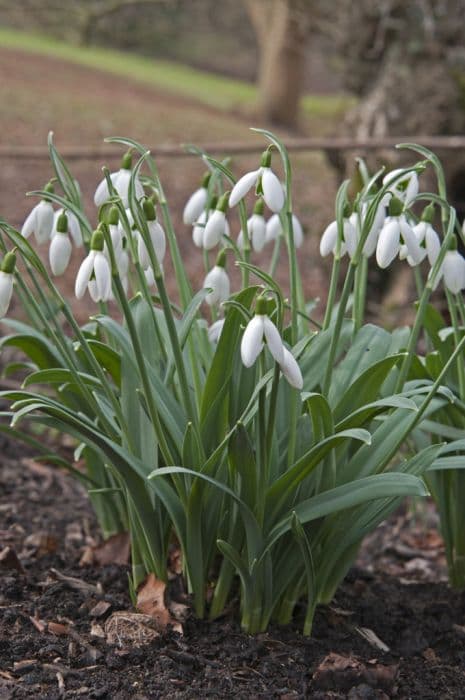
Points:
[[48, 623]]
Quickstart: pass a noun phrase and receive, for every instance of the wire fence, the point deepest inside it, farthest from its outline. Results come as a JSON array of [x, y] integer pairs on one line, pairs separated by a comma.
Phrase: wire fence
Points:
[[328, 144]]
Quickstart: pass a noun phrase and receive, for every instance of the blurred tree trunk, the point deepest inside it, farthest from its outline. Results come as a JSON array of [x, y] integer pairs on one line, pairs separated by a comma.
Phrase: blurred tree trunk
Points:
[[281, 28]]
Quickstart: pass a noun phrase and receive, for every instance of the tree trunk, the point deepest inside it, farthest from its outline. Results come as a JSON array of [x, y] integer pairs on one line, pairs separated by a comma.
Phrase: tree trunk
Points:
[[281, 27]]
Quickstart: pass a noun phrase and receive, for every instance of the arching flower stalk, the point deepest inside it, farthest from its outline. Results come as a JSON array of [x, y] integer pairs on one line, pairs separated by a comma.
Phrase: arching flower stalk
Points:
[[40, 220], [265, 182]]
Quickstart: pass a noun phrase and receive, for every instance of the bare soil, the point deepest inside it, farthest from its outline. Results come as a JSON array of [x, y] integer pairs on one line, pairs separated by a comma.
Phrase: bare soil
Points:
[[394, 630]]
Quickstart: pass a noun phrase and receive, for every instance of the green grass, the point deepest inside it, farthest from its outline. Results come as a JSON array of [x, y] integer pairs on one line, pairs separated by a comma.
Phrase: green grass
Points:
[[219, 92]]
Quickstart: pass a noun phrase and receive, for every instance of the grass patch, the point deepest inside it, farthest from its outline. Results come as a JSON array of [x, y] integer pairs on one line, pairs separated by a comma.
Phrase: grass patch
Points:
[[219, 92]]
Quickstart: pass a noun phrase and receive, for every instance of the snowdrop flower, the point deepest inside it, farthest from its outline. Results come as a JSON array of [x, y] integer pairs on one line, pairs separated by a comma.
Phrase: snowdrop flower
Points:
[[198, 229], [358, 219], [259, 329], [94, 273], [214, 331], [256, 228], [120, 180], [40, 220], [216, 225], [197, 202], [452, 270], [157, 237], [404, 188], [218, 281], [266, 182], [7, 269], [74, 227], [59, 253], [328, 242], [274, 229], [394, 229]]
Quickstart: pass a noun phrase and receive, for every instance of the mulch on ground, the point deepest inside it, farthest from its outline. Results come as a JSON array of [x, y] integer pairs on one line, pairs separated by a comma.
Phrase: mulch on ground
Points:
[[394, 630]]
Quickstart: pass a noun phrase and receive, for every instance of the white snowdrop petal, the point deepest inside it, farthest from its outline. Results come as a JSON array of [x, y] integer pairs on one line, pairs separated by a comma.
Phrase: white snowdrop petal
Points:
[[388, 243], [298, 231], [420, 231], [83, 275], [252, 340], [6, 291], [291, 370], [433, 244], [273, 228], [214, 331], [75, 229], [257, 231], [217, 279], [197, 231], [273, 192], [59, 253], [195, 206], [102, 276], [158, 238], [240, 240], [273, 339], [454, 271], [412, 188], [44, 221], [101, 193], [328, 239], [149, 276], [411, 241], [30, 223], [214, 230], [350, 237], [242, 186], [142, 252]]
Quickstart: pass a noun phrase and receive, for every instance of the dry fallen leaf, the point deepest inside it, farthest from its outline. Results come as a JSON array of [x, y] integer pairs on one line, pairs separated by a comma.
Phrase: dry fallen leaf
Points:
[[151, 601], [115, 550], [346, 671], [130, 629], [9, 560]]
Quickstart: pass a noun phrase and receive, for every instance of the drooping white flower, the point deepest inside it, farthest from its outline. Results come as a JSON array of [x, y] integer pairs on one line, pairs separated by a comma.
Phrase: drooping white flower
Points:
[[395, 231], [60, 250], [259, 329], [328, 242], [94, 273], [270, 185], [357, 219], [120, 180], [216, 225], [256, 229], [157, 237], [274, 229], [452, 272], [198, 229], [197, 202], [40, 220], [214, 331], [74, 227], [404, 188], [7, 269], [218, 281], [291, 370]]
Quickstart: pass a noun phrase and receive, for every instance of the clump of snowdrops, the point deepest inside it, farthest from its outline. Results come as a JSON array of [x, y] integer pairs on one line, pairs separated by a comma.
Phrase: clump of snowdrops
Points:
[[263, 444]]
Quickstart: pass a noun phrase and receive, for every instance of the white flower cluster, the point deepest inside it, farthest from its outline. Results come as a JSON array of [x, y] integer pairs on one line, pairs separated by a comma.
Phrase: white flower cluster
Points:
[[394, 232]]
